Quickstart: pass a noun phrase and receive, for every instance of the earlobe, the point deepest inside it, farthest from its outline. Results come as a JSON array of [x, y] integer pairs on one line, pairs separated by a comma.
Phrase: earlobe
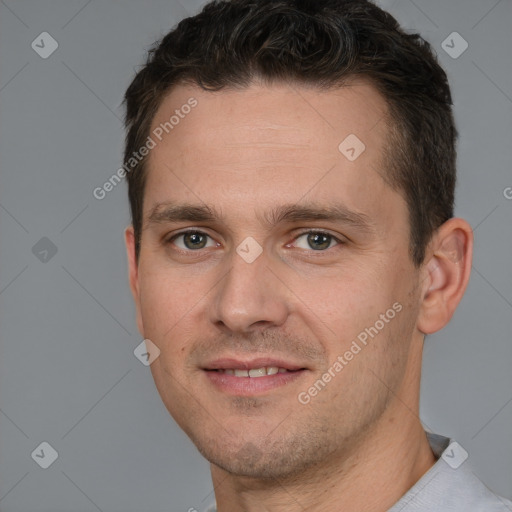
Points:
[[133, 273], [446, 274]]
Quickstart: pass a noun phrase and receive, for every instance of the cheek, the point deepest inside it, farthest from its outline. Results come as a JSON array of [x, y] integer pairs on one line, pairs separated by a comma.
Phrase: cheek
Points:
[[166, 304], [343, 299], [346, 305]]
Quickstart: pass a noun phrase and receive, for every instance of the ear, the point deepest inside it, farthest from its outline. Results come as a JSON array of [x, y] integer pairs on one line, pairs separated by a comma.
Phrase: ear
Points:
[[445, 274], [133, 274]]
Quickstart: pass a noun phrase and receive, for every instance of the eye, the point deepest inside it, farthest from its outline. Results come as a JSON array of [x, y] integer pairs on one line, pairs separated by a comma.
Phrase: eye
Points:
[[316, 240], [192, 240]]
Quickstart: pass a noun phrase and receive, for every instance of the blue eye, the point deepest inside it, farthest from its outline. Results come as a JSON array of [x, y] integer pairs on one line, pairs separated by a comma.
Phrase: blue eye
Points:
[[318, 240]]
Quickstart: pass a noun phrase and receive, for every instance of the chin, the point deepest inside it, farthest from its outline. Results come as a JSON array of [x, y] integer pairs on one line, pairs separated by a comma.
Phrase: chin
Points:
[[282, 459]]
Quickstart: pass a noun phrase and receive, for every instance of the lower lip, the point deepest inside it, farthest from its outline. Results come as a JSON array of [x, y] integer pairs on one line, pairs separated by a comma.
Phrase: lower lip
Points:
[[246, 386]]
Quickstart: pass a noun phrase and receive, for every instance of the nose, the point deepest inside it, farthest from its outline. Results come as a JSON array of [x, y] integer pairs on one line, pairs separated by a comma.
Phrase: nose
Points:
[[250, 297]]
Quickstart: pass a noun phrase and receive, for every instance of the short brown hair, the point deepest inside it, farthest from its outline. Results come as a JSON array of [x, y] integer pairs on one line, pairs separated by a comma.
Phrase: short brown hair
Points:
[[321, 43]]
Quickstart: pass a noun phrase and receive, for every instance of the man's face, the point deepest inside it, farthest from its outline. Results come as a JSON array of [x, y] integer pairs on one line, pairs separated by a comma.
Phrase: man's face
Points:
[[250, 156]]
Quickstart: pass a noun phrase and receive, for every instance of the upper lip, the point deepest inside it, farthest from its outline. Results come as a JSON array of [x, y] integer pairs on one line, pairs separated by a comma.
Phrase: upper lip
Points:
[[260, 362]]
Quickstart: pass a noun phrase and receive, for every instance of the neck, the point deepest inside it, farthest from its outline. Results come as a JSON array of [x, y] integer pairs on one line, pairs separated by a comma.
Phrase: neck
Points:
[[377, 471], [373, 479]]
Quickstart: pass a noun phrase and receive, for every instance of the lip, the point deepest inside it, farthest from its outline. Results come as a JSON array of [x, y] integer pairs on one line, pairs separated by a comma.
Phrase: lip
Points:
[[251, 386], [228, 362]]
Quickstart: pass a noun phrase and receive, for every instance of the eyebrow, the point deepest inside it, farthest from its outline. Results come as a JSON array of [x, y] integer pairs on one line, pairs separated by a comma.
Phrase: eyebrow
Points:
[[184, 212]]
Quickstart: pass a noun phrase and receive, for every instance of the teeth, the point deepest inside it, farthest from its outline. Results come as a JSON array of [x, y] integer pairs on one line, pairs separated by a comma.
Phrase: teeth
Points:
[[254, 372], [258, 372]]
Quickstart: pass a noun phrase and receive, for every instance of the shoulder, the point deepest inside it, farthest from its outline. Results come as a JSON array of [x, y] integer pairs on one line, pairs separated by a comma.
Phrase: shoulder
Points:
[[450, 485]]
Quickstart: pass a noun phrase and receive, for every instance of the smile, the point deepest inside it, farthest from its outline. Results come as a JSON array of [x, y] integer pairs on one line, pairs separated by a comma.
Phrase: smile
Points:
[[253, 372]]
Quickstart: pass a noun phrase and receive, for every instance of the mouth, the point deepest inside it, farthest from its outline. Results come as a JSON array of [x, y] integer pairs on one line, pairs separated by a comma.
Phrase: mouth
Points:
[[253, 372], [247, 378]]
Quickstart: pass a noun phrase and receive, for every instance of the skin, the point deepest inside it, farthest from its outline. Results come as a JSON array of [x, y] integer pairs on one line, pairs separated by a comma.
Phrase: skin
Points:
[[359, 443]]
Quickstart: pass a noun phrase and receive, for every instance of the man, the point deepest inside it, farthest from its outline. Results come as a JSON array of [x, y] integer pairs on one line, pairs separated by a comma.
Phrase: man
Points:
[[292, 243]]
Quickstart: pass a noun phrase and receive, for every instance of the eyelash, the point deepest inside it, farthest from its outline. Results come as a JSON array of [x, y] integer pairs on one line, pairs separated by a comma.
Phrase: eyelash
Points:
[[307, 232]]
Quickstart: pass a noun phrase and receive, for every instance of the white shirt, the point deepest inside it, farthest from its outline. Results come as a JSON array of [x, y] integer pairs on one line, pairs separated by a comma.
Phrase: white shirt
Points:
[[450, 485]]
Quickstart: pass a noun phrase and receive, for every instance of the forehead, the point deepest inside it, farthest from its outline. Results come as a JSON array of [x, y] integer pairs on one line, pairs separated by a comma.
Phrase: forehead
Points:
[[280, 143], [272, 114]]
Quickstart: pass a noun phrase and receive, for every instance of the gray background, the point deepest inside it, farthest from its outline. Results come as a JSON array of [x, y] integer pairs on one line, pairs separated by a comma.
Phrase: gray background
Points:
[[68, 375]]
